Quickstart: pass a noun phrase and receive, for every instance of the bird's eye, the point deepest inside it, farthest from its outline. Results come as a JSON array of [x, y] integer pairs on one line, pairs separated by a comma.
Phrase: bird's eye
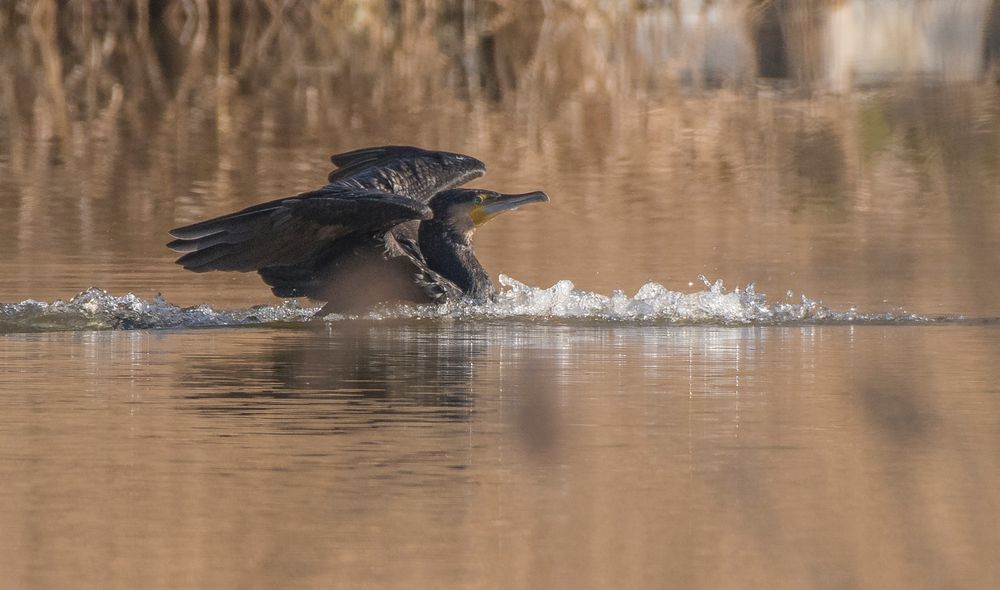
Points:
[[480, 199]]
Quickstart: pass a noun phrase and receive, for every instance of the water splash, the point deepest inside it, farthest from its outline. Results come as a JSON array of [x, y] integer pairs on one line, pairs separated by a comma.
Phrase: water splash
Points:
[[96, 309], [653, 302]]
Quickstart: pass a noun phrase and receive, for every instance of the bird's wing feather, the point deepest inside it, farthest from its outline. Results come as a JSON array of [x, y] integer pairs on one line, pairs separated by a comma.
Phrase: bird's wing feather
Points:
[[289, 231], [349, 162], [404, 170]]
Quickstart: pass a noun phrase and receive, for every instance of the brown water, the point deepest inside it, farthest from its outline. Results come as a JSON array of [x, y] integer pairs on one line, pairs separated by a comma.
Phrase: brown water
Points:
[[525, 451]]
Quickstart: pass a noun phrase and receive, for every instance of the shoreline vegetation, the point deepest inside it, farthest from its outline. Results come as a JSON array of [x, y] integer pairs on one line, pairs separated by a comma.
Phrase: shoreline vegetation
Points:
[[92, 63]]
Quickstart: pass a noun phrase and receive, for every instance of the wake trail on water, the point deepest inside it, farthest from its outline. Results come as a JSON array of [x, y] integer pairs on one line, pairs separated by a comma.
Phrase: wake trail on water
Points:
[[96, 309]]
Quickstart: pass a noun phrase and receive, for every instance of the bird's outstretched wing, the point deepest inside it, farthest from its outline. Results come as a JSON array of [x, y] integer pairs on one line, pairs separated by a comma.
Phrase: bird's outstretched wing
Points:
[[290, 231], [404, 170], [339, 243]]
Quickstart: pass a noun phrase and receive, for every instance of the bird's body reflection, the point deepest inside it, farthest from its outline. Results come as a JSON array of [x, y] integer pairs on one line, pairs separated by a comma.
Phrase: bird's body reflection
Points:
[[351, 373]]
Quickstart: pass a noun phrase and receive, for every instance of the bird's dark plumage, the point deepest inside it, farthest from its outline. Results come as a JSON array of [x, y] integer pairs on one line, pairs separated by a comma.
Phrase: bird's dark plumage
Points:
[[403, 170], [289, 231], [355, 242]]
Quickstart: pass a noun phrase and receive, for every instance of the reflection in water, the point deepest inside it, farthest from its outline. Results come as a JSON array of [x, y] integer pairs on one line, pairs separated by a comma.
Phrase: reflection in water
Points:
[[991, 44], [358, 375], [352, 375], [449, 454]]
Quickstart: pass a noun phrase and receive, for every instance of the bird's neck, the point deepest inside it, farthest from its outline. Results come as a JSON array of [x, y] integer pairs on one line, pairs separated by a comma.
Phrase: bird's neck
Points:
[[448, 252]]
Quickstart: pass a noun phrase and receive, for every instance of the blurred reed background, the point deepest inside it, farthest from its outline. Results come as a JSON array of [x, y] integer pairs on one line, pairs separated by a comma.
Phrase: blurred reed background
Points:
[[122, 119], [846, 149]]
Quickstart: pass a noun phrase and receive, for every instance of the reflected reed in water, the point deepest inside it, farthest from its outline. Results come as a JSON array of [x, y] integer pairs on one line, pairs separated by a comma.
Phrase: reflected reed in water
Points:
[[742, 140]]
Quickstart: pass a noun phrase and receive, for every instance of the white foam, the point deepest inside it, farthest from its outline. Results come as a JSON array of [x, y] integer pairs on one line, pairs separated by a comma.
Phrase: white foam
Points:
[[96, 309], [652, 302]]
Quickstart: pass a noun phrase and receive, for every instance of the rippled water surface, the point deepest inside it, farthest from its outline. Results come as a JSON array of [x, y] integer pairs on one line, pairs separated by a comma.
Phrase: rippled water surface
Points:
[[501, 454], [750, 342]]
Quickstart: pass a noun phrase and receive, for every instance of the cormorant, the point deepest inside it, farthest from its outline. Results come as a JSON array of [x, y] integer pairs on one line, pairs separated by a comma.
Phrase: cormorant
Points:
[[389, 226]]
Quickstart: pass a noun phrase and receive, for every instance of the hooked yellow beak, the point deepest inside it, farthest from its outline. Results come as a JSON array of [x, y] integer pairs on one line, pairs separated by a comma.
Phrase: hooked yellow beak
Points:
[[495, 205]]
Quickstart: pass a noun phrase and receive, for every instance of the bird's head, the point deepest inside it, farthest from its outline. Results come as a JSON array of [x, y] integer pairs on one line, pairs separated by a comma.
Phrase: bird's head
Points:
[[465, 209]]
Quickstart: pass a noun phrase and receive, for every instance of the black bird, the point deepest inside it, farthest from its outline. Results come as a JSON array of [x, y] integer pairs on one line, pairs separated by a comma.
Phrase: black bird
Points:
[[389, 226]]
